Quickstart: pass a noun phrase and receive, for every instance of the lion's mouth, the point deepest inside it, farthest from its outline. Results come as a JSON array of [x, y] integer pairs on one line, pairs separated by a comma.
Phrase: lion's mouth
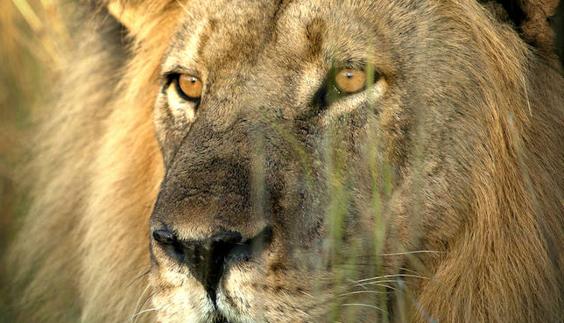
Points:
[[219, 318]]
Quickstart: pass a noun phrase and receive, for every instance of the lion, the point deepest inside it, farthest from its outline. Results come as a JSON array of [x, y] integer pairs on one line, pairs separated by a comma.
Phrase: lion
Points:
[[300, 161]]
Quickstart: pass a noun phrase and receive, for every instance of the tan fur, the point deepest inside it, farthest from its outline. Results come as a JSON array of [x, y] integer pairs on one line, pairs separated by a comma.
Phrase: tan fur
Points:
[[515, 264], [496, 234]]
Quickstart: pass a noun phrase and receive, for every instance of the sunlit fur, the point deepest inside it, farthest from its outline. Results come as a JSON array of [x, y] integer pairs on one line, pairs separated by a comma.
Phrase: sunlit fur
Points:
[[495, 246]]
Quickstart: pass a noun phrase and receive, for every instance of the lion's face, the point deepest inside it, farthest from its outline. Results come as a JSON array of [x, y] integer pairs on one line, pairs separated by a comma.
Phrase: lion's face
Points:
[[307, 161], [298, 161]]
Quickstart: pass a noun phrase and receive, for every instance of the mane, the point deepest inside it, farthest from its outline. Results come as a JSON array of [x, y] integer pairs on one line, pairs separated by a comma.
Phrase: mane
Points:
[[506, 263], [96, 145]]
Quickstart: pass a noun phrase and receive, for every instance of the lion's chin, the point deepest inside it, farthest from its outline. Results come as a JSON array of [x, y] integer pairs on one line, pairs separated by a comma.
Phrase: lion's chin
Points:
[[237, 300]]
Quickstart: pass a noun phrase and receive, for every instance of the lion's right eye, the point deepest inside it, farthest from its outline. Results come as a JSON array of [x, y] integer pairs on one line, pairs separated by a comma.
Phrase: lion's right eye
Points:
[[183, 94], [188, 87]]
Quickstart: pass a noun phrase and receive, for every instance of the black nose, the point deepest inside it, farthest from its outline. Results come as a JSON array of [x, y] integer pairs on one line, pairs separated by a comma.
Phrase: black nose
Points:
[[206, 258]]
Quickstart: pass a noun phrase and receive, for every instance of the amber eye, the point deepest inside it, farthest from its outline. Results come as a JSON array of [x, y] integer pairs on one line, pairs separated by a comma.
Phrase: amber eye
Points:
[[189, 86], [350, 81]]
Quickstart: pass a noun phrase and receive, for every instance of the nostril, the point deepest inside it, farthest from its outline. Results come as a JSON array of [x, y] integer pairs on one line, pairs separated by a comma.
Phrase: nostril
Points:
[[164, 236], [227, 238], [240, 253], [247, 250], [170, 243]]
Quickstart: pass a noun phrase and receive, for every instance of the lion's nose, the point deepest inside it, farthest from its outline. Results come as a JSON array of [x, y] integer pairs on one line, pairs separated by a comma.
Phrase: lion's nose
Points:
[[206, 259]]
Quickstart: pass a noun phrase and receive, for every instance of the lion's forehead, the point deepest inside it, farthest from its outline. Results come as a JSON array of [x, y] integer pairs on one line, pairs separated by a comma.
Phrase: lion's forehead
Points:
[[234, 33]]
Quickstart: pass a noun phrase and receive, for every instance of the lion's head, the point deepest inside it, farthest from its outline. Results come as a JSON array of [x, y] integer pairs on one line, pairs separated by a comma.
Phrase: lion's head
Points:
[[302, 161]]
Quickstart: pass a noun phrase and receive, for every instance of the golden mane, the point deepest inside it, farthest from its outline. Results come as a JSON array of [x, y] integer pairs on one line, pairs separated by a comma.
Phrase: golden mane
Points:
[[514, 222], [80, 181]]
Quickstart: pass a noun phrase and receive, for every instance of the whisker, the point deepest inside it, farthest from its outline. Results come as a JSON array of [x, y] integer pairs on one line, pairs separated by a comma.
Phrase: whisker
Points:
[[136, 278], [391, 254], [145, 302], [361, 292], [379, 281], [138, 304], [410, 270], [307, 294], [150, 310], [409, 253], [391, 276], [154, 309], [382, 285], [357, 284], [364, 305]]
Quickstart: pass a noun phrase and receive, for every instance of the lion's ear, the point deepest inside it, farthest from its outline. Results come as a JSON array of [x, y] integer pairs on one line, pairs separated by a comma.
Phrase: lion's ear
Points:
[[531, 18], [139, 15], [131, 14], [128, 13]]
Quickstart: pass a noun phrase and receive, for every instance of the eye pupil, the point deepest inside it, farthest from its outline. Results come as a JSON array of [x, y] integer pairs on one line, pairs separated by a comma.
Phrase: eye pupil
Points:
[[350, 80], [189, 86]]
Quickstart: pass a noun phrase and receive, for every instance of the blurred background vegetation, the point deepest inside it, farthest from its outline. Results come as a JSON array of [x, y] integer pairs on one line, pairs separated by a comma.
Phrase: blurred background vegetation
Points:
[[32, 47], [33, 43], [30, 57]]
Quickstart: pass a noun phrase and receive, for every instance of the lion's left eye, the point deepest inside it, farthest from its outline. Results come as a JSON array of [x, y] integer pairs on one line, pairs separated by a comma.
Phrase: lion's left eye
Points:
[[342, 82], [350, 80]]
